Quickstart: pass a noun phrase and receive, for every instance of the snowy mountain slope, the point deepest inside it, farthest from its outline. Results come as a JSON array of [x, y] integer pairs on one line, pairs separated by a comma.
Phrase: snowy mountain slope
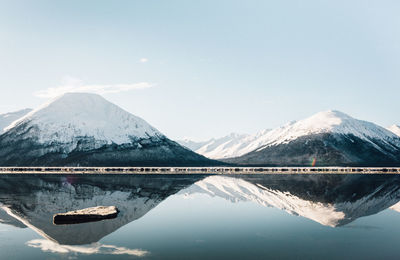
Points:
[[333, 122], [80, 114], [229, 146], [395, 129], [85, 129], [328, 122], [216, 148], [8, 118], [193, 145], [328, 208], [331, 136]]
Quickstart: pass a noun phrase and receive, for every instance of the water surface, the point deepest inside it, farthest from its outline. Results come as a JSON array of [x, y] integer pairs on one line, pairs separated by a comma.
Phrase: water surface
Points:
[[199, 216]]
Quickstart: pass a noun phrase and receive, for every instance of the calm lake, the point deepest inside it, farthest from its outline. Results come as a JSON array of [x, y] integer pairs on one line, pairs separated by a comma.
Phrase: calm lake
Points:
[[203, 217]]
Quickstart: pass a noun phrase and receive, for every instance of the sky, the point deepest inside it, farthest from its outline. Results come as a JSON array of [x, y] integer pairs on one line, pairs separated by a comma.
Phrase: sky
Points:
[[201, 69]]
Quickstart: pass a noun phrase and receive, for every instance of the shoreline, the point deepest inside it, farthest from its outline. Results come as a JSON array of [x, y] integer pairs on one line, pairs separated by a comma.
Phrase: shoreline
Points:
[[199, 170]]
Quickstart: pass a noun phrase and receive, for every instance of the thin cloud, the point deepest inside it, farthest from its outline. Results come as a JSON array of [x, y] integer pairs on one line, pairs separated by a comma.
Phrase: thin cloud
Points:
[[143, 60], [95, 248], [76, 85]]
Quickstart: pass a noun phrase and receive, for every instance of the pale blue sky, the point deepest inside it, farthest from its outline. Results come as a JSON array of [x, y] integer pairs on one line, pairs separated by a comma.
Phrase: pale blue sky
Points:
[[211, 67]]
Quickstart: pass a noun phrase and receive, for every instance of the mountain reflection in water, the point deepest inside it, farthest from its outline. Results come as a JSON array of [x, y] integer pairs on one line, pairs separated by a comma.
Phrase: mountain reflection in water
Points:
[[32, 200], [35, 199]]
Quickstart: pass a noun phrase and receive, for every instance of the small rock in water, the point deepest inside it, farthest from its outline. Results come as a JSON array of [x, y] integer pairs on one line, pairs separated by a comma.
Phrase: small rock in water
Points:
[[86, 215]]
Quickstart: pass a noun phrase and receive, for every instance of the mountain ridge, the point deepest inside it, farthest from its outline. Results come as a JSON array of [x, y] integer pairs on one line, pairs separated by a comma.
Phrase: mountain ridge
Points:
[[81, 129], [328, 138]]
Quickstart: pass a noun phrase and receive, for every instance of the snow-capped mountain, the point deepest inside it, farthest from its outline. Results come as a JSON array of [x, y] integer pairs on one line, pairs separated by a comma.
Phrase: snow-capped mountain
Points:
[[333, 200], [85, 129], [8, 118], [193, 145], [229, 146], [331, 137], [395, 129]]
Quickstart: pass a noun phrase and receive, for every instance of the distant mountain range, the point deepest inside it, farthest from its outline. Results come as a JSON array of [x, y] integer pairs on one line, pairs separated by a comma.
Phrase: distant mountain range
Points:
[[229, 146], [79, 129], [8, 118], [329, 138]]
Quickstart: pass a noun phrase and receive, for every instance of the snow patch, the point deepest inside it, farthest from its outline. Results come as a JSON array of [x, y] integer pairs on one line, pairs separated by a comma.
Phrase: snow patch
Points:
[[8, 118], [395, 129]]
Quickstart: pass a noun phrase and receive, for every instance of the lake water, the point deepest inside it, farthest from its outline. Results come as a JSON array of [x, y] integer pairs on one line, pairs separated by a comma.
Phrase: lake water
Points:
[[203, 217]]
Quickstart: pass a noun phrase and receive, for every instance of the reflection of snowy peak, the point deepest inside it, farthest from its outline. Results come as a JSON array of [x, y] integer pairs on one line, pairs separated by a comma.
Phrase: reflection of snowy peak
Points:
[[9, 220], [8, 118], [396, 207], [40, 218], [87, 130], [36, 201], [325, 212]]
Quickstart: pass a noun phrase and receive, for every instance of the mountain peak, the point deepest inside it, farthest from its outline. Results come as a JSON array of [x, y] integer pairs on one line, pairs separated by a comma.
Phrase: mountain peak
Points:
[[327, 118], [331, 121], [334, 113], [85, 115]]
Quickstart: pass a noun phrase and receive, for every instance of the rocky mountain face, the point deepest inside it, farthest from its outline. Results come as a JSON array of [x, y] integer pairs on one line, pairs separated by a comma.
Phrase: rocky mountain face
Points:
[[329, 138], [79, 129]]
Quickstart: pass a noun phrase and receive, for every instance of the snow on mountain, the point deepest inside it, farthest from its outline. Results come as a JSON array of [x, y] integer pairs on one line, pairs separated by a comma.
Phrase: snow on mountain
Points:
[[79, 114], [79, 129], [225, 147], [229, 146], [330, 138], [331, 121], [395, 129], [193, 145], [8, 118]]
